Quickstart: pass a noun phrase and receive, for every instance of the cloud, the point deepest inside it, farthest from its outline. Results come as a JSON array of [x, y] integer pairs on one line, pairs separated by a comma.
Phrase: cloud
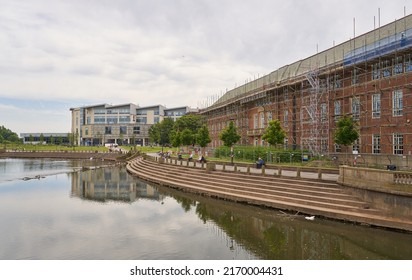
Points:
[[164, 52]]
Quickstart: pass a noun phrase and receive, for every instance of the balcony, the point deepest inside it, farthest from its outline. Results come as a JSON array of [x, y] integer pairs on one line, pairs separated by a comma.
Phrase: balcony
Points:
[[256, 132]]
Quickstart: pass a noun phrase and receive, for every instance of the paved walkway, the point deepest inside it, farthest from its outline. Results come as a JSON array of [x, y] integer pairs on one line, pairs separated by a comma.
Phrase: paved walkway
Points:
[[269, 169]]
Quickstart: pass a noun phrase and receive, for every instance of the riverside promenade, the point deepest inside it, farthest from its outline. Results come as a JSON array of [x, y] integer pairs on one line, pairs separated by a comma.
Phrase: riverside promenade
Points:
[[311, 194], [110, 156]]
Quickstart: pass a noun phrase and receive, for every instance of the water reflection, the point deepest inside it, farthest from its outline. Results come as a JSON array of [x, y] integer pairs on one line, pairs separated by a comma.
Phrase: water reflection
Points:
[[112, 183], [57, 218], [266, 233]]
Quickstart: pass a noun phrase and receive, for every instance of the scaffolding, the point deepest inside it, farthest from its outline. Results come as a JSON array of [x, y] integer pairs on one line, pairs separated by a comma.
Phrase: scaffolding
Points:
[[313, 115], [315, 92]]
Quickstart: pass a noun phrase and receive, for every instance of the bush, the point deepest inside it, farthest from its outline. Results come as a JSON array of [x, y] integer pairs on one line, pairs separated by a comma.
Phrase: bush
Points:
[[247, 153]]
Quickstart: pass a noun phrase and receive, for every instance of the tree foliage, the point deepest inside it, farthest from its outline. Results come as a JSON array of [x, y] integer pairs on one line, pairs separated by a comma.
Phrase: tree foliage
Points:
[[346, 132], [274, 133], [229, 135], [191, 122], [6, 135], [160, 132], [203, 137], [187, 137]]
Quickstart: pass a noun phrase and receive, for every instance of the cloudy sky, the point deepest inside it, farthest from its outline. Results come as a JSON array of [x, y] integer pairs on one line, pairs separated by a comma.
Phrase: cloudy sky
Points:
[[58, 54]]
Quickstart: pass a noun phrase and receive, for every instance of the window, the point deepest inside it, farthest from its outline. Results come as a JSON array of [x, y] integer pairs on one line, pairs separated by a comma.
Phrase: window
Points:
[[269, 116], [124, 119], [323, 112], [112, 120], [286, 118], [376, 106], [376, 73], [141, 120], [337, 110], [256, 121], [324, 145], [338, 81], [386, 68], [376, 144], [123, 130], [86, 131], [338, 149], [355, 108], [99, 111], [397, 103], [397, 65], [262, 120], [99, 120], [355, 76], [408, 62], [397, 144], [136, 130], [286, 143], [108, 130], [356, 146]]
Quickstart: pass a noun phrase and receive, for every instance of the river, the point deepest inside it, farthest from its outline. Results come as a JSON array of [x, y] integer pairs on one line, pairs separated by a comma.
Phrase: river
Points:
[[60, 210]]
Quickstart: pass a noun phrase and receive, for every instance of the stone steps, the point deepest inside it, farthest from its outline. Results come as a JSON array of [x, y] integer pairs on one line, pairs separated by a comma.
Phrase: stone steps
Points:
[[306, 196], [211, 184]]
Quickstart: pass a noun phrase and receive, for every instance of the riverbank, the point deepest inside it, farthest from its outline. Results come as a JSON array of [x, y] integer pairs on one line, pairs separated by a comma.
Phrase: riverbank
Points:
[[109, 156], [310, 197]]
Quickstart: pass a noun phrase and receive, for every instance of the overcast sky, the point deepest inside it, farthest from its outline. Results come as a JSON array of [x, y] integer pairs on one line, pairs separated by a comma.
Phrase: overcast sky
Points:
[[55, 55]]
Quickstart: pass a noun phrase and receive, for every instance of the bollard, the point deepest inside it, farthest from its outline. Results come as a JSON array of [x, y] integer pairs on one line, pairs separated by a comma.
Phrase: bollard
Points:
[[248, 170], [224, 167], [235, 168], [320, 174], [263, 170], [298, 172], [280, 172]]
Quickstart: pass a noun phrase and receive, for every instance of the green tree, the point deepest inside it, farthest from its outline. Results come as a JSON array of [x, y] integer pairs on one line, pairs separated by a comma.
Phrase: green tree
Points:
[[187, 137], [160, 132], [229, 136], [203, 137], [154, 133], [346, 131], [274, 134], [41, 138], [175, 138], [191, 122], [8, 135]]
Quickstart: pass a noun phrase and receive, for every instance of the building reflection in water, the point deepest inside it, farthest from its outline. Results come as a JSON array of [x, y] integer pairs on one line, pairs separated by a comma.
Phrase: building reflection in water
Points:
[[111, 184], [264, 233]]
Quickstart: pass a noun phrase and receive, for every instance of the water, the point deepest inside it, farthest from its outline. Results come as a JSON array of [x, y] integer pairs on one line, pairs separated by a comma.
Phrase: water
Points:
[[105, 213]]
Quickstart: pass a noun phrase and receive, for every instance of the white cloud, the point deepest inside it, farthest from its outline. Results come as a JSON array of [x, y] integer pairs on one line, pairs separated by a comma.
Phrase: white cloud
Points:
[[164, 52]]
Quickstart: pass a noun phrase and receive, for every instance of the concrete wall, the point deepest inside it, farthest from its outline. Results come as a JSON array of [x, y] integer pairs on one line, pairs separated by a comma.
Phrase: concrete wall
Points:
[[389, 190]]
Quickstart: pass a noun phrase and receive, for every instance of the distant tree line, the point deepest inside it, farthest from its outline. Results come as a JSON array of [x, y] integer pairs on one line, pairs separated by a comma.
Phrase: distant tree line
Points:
[[8, 136], [189, 130]]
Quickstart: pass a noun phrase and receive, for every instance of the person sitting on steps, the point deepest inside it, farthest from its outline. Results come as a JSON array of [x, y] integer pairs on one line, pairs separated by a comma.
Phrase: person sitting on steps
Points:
[[260, 163]]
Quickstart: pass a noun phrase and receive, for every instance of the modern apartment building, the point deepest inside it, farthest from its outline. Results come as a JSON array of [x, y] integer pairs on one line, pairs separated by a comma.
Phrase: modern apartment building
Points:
[[368, 78], [118, 124]]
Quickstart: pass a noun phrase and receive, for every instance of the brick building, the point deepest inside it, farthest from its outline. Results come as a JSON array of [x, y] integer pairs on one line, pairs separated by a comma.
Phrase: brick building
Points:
[[368, 78]]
